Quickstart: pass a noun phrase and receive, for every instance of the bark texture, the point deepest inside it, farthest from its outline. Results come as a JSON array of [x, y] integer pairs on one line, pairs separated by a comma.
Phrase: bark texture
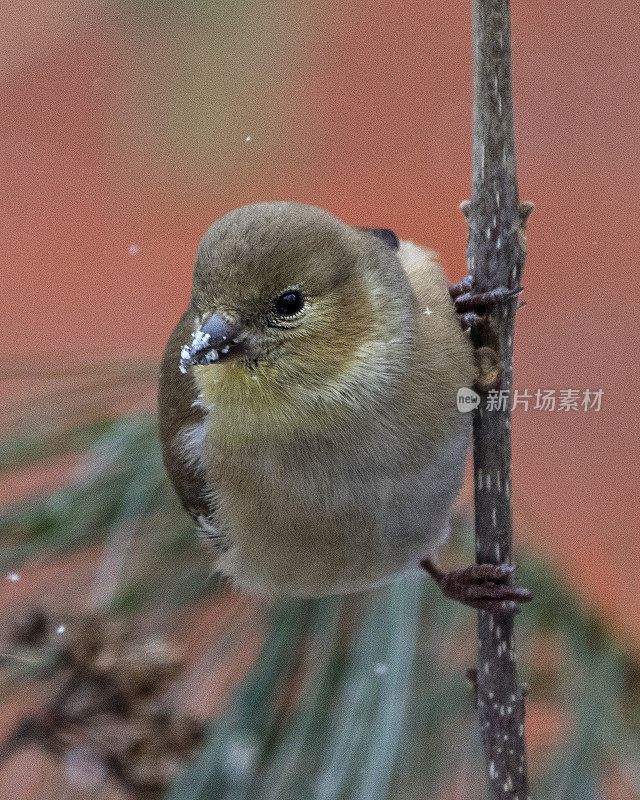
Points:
[[495, 256]]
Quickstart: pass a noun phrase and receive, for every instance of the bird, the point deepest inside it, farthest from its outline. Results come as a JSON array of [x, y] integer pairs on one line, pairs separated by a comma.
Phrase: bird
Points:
[[308, 403]]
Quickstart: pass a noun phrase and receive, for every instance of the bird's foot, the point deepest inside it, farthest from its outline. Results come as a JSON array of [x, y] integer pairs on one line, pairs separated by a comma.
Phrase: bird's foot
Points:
[[481, 586], [472, 308], [472, 305]]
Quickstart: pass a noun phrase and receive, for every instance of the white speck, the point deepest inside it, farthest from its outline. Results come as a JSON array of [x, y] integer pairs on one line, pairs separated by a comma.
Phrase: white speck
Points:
[[247, 138], [482, 161], [60, 629], [427, 311], [488, 233], [224, 350], [133, 250], [235, 341], [497, 198], [488, 482], [254, 377], [498, 553], [509, 710], [486, 668], [508, 784], [494, 520], [521, 730], [498, 243], [493, 772], [499, 106], [494, 221], [185, 358], [13, 577], [381, 669], [199, 339], [498, 631]]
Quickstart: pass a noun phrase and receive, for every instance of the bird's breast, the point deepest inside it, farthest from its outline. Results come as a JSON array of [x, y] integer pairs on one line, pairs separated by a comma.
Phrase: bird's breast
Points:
[[312, 523]]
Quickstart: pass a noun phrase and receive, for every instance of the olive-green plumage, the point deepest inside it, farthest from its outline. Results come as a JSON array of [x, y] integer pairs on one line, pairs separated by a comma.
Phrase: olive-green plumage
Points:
[[310, 425]]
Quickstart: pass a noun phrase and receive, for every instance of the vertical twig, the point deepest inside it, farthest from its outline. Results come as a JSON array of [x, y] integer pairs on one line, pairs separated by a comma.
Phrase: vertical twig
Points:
[[495, 255]]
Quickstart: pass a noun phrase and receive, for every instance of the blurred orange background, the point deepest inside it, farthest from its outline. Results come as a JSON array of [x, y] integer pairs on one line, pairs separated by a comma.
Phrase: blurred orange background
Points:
[[127, 128]]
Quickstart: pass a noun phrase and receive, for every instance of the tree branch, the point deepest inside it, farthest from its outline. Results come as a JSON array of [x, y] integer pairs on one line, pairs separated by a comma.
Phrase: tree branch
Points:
[[495, 257]]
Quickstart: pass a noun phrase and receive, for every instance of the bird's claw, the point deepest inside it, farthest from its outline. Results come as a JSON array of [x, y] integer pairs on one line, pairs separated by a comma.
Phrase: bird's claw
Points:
[[481, 586], [472, 305], [472, 308]]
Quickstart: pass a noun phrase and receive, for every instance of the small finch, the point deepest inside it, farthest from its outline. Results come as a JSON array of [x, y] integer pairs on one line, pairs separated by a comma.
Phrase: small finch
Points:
[[307, 401]]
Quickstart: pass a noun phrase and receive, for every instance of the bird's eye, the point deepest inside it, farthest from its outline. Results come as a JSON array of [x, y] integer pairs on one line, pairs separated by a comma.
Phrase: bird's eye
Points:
[[289, 303]]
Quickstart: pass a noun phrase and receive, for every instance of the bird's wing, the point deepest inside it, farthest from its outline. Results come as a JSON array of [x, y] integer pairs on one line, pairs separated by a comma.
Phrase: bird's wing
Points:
[[421, 265], [389, 237], [182, 431], [427, 278]]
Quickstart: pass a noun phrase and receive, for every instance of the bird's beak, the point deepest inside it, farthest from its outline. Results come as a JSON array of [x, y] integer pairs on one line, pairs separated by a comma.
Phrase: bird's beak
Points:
[[216, 340]]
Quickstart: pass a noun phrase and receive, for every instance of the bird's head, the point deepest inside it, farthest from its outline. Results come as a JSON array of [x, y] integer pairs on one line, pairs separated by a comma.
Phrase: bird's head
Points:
[[294, 307]]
